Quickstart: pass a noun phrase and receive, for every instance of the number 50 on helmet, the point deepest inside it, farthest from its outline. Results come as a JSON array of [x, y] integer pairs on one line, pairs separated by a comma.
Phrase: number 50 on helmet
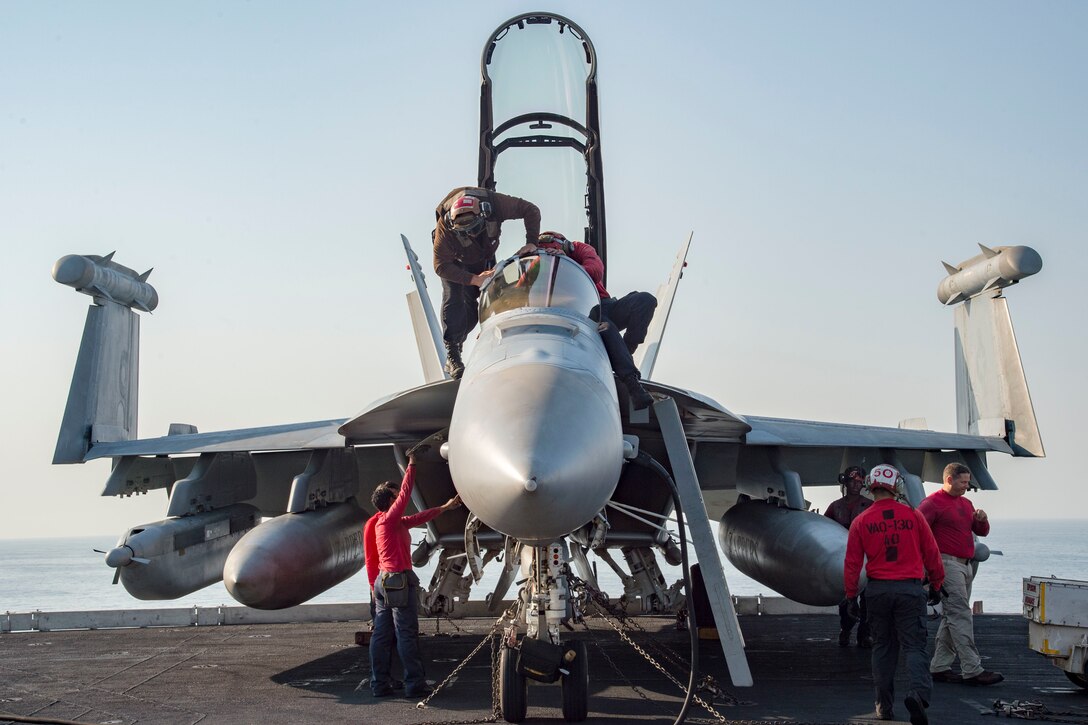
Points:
[[886, 477]]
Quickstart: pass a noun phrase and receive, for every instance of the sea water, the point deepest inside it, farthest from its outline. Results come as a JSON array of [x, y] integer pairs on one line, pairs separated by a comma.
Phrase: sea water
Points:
[[65, 574]]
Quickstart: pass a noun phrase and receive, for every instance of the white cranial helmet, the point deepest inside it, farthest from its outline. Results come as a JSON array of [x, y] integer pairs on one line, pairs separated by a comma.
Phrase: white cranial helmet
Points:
[[885, 477]]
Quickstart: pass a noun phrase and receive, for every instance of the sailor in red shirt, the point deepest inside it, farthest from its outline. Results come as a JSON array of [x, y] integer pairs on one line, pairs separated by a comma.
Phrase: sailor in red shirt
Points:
[[370, 555], [899, 550], [631, 313], [955, 521], [395, 619]]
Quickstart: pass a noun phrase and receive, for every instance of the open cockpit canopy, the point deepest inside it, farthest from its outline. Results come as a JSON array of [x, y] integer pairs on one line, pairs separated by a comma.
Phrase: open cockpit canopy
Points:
[[539, 93]]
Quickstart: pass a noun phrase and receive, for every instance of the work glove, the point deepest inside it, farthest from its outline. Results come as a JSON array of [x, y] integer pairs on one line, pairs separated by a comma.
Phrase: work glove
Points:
[[416, 450], [853, 610], [934, 597]]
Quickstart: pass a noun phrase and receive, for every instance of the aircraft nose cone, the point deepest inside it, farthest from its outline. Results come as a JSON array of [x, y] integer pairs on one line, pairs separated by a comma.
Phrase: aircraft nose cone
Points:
[[535, 450]]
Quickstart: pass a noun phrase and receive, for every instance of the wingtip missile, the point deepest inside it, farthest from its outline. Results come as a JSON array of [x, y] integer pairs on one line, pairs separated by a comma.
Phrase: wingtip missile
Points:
[[994, 269], [101, 277]]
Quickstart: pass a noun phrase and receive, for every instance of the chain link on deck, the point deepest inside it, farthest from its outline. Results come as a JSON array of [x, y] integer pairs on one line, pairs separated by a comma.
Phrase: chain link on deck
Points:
[[622, 632], [492, 637], [608, 612], [1034, 710]]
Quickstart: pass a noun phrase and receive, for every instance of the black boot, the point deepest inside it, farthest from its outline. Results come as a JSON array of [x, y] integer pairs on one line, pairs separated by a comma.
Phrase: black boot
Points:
[[454, 366], [639, 397]]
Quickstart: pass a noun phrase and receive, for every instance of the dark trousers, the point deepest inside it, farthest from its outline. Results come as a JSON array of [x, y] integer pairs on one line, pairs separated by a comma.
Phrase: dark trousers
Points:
[[460, 305], [846, 622], [396, 626], [897, 621], [632, 313]]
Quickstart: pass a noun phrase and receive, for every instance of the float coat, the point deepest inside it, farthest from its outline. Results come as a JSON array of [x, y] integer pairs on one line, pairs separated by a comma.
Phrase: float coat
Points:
[[294, 557], [799, 554]]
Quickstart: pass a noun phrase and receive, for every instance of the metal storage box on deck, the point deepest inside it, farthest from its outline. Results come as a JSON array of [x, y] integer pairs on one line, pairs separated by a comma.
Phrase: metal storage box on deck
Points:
[[1056, 601], [1058, 626]]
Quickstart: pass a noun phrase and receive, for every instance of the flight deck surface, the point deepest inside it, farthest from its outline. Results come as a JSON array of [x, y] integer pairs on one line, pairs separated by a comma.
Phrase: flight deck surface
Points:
[[315, 673]]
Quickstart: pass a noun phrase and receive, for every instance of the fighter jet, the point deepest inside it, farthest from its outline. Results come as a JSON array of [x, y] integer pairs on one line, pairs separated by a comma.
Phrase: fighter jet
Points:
[[550, 458]]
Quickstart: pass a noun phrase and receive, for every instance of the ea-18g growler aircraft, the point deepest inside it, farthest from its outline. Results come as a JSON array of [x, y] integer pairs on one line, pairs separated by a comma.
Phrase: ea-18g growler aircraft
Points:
[[551, 460]]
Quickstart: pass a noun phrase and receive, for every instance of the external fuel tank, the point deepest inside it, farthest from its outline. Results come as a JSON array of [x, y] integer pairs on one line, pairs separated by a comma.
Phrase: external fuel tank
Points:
[[799, 554], [294, 557]]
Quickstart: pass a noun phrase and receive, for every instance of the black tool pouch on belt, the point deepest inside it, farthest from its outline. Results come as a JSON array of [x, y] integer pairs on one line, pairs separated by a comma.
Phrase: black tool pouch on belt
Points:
[[539, 660], [398, 589]]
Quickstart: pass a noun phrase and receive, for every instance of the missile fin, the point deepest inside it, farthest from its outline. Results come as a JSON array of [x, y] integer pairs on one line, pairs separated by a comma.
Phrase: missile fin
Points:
[[949, 268], [143, 277], [101, 292], [109, 257], [987, 251], [993, 283]]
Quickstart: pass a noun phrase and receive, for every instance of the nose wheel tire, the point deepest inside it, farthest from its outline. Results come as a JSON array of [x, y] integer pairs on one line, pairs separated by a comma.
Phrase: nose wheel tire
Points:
[[513, 689], [576, 684], [1079, 680]]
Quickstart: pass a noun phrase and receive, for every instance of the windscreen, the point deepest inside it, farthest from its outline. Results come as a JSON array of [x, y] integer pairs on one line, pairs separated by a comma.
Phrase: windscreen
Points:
[[541, 281], [539, 68]]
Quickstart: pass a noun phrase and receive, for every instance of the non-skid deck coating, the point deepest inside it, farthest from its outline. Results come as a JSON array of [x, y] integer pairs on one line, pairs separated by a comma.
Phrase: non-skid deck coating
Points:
[[314, 673]]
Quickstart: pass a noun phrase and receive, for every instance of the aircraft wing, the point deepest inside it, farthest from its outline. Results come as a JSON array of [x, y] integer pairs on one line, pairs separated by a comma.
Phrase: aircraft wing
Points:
[[747, 454], [293, 436], [807, 433], [704, 419], [404, 417]]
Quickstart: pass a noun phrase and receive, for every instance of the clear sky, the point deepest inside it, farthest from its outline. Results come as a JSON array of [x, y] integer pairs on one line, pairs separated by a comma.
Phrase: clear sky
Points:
[[265, 157]]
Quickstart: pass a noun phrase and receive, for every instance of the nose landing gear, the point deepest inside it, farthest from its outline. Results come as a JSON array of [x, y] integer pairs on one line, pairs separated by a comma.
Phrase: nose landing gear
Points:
[[576, 683], [540, 655], [513, 688]]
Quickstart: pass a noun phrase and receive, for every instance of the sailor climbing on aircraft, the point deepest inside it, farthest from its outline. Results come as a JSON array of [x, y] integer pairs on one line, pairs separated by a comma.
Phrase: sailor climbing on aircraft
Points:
[[468, 222], [631, 313]]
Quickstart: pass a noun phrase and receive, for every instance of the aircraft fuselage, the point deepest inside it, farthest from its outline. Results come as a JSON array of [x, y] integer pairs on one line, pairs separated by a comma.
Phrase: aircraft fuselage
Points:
[[535, 442]]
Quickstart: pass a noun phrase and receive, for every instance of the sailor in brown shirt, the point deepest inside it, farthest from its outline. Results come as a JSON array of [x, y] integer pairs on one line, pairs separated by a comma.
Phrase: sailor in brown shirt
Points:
[[845, 510], [468, 223]]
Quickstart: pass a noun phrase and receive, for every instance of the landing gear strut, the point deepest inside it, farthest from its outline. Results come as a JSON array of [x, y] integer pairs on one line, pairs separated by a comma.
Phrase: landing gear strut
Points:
[[540, 656]]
